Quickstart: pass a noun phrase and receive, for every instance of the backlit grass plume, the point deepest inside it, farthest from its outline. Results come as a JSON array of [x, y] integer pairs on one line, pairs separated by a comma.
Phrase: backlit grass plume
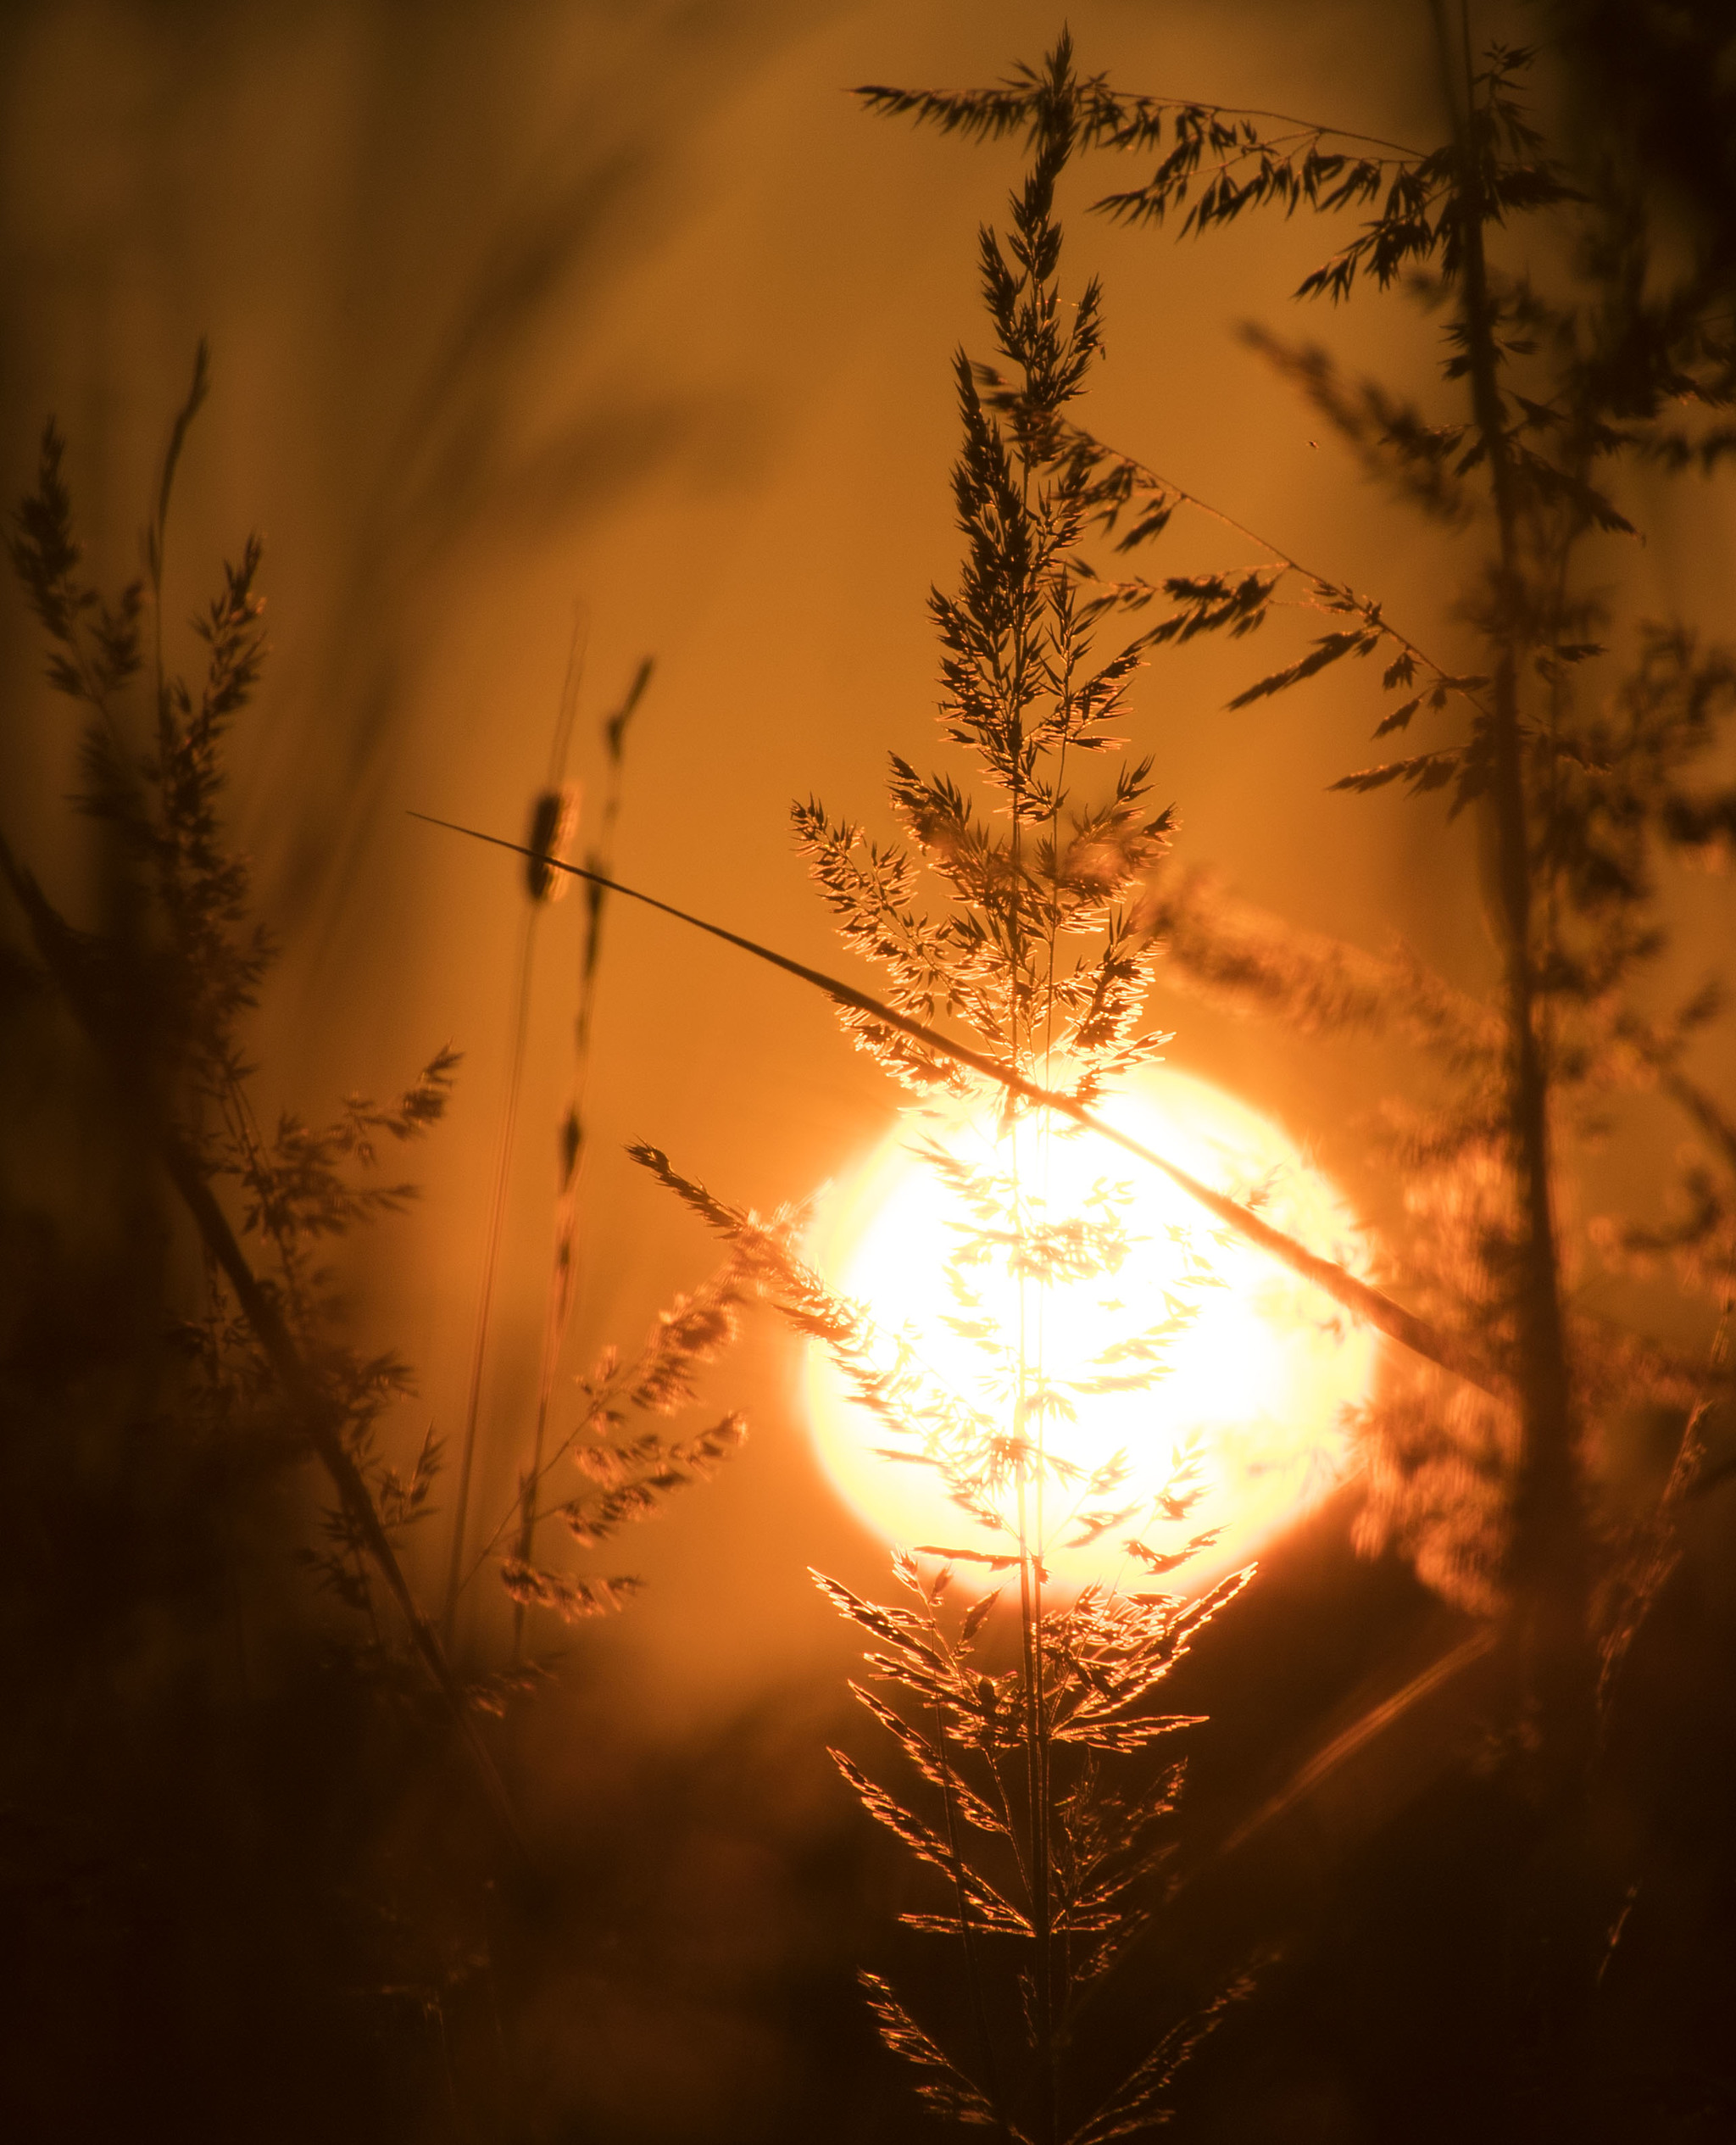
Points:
[[1035, 1795]]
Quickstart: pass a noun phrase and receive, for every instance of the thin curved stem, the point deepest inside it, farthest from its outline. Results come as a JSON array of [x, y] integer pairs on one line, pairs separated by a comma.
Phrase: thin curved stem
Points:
[[1357, 1296], [491, 1254], [1365, 605]]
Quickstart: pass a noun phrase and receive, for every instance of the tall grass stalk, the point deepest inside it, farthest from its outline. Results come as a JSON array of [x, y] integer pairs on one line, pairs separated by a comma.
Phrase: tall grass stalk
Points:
[[554, 816], [563, 1275], [499, 1188], [1039, 1803]]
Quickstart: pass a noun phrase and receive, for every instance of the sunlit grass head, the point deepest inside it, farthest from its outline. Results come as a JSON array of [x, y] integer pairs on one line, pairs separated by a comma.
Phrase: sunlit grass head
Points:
[[1145, 1333]]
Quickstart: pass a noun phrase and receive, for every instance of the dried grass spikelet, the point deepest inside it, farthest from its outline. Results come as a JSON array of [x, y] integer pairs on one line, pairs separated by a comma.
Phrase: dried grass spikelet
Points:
[[554, 827]]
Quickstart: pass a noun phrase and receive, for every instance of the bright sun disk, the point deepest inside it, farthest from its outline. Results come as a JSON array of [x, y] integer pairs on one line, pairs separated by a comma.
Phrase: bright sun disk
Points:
[[1258, 1373]]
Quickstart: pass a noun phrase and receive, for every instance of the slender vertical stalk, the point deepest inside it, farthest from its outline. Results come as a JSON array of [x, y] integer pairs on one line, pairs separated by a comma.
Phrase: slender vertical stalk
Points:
[[1030, 1623], [563, 1269], [491, 1256], [967, 1930], [542, 883], [1550, 1563]]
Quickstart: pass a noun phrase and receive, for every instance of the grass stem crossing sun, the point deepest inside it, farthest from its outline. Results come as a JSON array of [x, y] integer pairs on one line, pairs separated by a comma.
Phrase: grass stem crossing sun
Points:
[[1236, 1368]]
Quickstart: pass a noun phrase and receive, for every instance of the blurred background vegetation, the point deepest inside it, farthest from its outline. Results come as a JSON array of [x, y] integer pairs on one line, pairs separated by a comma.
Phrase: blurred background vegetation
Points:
[[517, 308]]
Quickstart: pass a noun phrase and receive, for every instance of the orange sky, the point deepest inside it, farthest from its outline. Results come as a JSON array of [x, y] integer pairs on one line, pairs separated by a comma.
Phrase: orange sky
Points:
[[514, 305]]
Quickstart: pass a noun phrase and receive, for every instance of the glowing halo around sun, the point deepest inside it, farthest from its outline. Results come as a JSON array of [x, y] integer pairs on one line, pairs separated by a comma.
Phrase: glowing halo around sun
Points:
[[1260, 1376]]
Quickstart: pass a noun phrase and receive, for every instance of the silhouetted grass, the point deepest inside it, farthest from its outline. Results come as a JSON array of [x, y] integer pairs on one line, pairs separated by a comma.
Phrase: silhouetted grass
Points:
[[253, 1820]]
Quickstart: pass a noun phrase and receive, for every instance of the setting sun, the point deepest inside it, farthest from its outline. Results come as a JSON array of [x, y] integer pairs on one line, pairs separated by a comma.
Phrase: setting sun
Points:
[[1253, 1370]]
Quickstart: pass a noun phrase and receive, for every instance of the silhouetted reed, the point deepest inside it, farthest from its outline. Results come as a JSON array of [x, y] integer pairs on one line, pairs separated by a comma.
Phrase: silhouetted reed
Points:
[[245, 1367]]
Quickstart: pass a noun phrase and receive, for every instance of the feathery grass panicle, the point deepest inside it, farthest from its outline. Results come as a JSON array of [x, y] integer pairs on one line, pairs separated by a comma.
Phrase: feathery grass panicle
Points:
[[1037, 1808], [168, 994], [164, 997], [626, 1466], [247, 1663]]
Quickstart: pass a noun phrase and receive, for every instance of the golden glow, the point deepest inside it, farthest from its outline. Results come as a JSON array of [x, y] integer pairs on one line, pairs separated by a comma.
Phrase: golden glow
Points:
[[1258, 1373]]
